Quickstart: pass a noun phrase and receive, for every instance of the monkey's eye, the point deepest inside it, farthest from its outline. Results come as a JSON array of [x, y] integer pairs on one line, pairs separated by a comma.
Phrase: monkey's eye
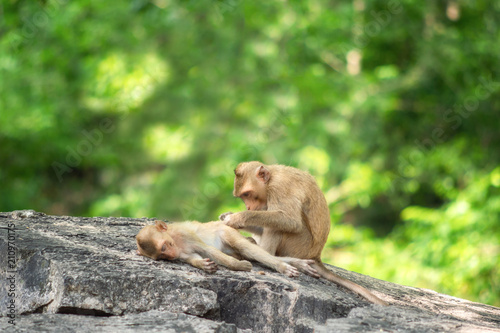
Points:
[[245, 195], [164, 248]]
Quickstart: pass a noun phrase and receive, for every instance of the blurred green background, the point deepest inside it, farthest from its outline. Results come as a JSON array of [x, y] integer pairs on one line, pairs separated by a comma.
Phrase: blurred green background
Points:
[[143, 108]]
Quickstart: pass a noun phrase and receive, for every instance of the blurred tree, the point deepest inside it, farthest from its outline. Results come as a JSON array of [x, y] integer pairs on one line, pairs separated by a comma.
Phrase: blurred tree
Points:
[[145, 108]]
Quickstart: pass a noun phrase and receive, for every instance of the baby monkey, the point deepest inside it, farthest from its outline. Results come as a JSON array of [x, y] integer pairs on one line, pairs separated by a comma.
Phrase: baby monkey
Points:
[[204, 245]]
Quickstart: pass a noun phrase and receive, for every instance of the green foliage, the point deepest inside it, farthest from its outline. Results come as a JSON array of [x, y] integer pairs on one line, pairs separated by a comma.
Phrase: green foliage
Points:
[[144, 108]]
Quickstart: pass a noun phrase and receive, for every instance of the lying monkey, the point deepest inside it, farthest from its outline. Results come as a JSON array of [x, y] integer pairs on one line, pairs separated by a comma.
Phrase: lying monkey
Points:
[[204, 245]]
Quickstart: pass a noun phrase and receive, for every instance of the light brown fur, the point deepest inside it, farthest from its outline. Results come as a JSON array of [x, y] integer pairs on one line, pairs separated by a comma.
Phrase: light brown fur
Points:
[[288, 215], [204, 245]]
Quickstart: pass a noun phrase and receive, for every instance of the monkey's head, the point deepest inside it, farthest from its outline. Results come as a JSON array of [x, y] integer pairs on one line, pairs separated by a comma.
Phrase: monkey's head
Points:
[[153, 241], [250, 184]]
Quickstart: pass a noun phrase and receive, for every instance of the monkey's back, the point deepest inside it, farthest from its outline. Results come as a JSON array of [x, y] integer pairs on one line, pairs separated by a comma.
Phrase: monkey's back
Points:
[[314, 210]]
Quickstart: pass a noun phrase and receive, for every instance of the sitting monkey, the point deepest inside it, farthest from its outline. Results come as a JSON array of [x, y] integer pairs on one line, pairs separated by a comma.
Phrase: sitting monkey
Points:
[[288, 216], [204, 245]]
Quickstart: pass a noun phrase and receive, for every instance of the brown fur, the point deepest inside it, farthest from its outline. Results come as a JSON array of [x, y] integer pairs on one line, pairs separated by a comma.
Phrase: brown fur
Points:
[[288, 215]]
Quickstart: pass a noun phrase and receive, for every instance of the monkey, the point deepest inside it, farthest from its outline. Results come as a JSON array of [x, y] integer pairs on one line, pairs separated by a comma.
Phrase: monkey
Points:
[[287, 215], [205, 245]]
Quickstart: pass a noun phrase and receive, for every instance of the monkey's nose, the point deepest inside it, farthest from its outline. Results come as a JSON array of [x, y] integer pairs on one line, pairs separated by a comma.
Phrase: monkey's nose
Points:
[[248, 207]]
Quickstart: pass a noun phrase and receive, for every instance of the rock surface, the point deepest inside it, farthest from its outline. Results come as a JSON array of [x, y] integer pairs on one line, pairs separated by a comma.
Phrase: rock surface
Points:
[[78, 274]]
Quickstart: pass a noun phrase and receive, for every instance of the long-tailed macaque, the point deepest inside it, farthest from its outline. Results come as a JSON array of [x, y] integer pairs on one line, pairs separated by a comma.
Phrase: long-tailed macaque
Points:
[[204, 245], [288, 216]]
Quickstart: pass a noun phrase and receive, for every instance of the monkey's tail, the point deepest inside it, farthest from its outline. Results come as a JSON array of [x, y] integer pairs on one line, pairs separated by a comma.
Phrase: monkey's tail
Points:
[[330, 276]]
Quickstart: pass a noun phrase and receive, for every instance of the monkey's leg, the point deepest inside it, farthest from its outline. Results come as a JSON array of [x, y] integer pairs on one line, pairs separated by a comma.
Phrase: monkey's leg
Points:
[[253, 252], [270, 241], [223, 259]]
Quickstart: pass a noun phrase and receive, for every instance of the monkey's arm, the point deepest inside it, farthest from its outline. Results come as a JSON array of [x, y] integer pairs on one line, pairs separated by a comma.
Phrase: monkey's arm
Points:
[[274, 219], [221, 258], [205, 264], [252, 229]]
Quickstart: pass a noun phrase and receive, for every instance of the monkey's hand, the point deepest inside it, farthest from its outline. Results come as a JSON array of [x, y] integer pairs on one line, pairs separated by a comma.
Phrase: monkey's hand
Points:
[[233, 220], [224, 216], [207, 265]]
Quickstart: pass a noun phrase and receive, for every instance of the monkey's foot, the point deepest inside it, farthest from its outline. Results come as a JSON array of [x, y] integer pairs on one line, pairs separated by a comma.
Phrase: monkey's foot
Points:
[[288, 270], [305, 266], [244, 265]]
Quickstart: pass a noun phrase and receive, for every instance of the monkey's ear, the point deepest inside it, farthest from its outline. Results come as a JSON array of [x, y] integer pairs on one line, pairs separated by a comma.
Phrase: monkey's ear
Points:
[[161, 226], [263, 174], [237, 173]]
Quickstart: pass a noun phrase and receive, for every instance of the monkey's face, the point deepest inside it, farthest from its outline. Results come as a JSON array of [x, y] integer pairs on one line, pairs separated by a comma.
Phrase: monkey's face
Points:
[[254, 198], [254, 194], [155, 242], [250, 185], [167, 249]]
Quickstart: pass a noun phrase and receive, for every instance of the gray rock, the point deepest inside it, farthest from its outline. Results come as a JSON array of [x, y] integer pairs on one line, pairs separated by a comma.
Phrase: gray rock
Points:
[[150, 321], [78, 274]]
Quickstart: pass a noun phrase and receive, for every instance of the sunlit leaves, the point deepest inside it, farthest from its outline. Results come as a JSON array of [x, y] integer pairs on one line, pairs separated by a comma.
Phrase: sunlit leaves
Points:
[[122, 83], [168, 144], [316, 161]]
